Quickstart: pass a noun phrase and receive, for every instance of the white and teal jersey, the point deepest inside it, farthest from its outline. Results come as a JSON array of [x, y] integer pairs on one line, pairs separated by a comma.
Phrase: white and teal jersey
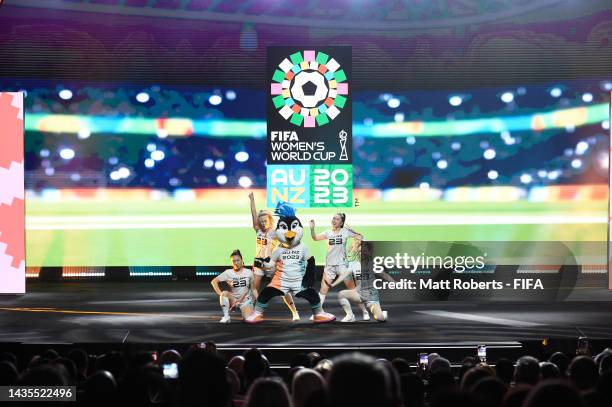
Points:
[[363, 279], [266, 243], [364, 283], [336, 246], [240, 282]]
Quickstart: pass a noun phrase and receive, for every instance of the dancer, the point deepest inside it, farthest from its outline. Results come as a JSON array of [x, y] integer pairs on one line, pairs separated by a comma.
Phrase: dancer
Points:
[[242, 292], [336, 262], [364, 293]]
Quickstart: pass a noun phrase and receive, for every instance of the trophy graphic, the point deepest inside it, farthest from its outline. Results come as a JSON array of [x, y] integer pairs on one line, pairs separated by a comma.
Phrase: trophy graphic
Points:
[[342, 137]]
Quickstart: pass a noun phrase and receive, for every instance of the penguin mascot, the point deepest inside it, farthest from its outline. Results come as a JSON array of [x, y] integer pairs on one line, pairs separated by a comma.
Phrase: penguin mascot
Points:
[[294, 268]]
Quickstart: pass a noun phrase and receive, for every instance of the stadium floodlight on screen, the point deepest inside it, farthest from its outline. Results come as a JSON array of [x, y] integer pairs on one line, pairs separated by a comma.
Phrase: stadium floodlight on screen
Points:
[[12, 243]]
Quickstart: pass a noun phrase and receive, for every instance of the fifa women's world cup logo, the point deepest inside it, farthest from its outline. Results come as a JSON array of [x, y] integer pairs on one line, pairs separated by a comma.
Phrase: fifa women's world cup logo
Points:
[[309, 88], [309, 126]]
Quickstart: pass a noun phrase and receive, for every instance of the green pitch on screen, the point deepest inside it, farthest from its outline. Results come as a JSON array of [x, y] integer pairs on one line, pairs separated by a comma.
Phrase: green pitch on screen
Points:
[[190, 233]]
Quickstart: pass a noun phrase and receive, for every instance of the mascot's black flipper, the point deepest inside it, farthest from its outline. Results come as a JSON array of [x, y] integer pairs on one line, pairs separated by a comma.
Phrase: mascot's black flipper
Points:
[[309, 277], [259, 262]]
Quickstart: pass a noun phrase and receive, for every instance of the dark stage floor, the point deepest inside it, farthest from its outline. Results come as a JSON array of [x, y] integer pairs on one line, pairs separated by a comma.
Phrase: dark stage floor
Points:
[[187, 311]]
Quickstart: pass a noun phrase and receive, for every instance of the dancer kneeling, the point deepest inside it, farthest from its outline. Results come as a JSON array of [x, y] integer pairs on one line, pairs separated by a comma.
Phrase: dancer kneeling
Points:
[[364, 292], [241, 293]]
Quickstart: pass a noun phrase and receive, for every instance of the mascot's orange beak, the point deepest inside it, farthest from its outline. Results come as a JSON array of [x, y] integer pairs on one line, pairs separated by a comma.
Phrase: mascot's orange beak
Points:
[[290, 235]]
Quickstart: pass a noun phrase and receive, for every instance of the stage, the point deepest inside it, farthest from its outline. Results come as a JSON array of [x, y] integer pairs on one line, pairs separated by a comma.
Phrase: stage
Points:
[[188, 312]]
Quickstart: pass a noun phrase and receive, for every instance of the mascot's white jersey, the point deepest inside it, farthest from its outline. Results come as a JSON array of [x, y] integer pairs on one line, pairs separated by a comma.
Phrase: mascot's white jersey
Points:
[[240, 282], [266, 243], [336, 246], [290, 265]]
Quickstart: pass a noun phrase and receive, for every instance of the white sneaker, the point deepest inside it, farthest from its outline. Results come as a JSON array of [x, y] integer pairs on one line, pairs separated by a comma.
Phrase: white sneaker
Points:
[[311, 318], [366, 316], [348, 318], [296, 317], [254, 318], [225, 320], [323, 318], [385, 315]]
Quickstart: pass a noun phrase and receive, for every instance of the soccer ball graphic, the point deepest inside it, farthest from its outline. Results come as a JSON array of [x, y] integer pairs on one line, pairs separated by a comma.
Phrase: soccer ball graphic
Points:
[[309, 88]]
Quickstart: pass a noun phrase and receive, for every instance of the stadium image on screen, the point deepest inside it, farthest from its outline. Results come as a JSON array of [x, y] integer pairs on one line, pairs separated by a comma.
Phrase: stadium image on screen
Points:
[[265, 202]]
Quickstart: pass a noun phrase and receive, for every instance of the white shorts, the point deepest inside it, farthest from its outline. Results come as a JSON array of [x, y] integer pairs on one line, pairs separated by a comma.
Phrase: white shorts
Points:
[[369, 296], [331, 272], [287, 287], [263, 273], [353, 266]]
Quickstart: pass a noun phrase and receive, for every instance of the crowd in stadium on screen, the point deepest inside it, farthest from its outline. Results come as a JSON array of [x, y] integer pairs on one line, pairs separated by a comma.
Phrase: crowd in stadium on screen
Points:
[[207, 378], [554, 155]]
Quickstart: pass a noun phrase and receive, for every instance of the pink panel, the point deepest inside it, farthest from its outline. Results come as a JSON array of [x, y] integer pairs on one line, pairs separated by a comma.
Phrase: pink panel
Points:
[[309, 121], [610, 204], [343, 88], [276, 89], [12, 236], [309, 56]]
